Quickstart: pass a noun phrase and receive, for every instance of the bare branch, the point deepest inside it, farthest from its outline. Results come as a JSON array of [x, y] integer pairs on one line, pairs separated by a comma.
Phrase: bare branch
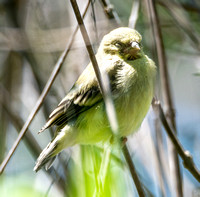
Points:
[[106, 95], [180, 17], [159, 153], [101, 77], [133, 171], [166, 92], [109, 11], [42, 96], [29, 139], [184, 154]]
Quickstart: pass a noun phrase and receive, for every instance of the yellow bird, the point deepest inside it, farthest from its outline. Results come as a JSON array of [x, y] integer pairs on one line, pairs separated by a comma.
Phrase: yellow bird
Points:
[[81, 116]]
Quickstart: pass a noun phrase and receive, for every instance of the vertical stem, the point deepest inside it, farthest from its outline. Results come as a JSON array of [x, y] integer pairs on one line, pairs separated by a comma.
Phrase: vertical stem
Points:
[[159, 152], [110, 12], [101, 178], [102, 77], [106, 95], [134, 14], [133, 171], [104, 167], [166, 92]]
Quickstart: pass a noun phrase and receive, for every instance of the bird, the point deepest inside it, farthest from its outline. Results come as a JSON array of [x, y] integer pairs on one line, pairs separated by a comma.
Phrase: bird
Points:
[[80, 117]]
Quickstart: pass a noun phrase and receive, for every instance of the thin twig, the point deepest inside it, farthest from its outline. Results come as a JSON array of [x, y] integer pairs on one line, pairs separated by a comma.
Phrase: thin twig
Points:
[[134, 14], [94, 19], [184, 154], [104, 87], [101, 77], [177, 12], [40, 84], [187, 6], [159, 153], [18, 123], [158, 143], [133, 171], [106, 94], [42, 96], [28, 138], [166, 92], [109, 11]]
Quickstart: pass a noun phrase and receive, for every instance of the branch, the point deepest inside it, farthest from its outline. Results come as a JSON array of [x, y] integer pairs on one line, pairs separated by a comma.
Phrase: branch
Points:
[[187, 6], [102, 78], [133, 171], [42, 96], [166, 92], [183, 22], [109, 11], [104, 87], [29, 139], [184, 154], [158, 143]]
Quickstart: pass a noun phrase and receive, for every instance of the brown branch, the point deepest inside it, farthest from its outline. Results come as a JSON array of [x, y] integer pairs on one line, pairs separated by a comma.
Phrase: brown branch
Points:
[[42, 96], [102, 79], [109, 11], [186, 6], [158, 143], [133, 171], [40, 84], [177, 12], [106, 95], [184, 154], [29, 139], [166, 92], [18, 123]]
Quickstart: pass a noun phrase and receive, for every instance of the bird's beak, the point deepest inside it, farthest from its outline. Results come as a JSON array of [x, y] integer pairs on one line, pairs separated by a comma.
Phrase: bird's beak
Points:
[[133, 51], [135, 46]]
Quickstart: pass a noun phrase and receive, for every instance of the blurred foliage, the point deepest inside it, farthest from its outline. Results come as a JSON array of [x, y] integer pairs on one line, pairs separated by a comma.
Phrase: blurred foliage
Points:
[[84, 170]]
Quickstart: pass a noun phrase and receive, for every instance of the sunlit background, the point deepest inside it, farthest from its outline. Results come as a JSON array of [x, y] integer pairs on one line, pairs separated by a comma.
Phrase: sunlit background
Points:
[[33, 34]]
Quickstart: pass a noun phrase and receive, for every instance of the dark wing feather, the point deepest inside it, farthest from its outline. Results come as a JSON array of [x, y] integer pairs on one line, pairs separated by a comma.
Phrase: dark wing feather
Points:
[[80, 98], [73, 104], [70, 108]]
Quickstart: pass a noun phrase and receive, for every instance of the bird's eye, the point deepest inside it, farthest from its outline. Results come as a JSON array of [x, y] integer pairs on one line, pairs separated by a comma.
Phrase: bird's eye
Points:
[[118, 44]]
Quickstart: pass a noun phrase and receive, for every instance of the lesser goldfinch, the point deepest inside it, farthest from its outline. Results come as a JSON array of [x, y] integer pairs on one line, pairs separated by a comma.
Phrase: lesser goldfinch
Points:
[[81, 116]]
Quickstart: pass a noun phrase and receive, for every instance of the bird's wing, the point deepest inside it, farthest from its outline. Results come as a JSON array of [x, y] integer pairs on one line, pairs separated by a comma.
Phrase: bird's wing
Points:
[[84, 94], [72, 105]]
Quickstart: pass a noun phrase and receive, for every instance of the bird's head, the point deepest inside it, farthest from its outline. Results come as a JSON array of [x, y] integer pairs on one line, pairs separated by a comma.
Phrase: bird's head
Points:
[[124, 42]]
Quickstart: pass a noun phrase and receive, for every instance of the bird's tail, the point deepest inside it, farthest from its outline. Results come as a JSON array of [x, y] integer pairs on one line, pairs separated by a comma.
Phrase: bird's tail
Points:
[[63, 138], [47, 156]]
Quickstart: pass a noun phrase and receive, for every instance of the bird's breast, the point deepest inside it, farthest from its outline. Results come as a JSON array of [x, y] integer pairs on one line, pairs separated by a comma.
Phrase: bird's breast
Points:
[[133, 104]]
